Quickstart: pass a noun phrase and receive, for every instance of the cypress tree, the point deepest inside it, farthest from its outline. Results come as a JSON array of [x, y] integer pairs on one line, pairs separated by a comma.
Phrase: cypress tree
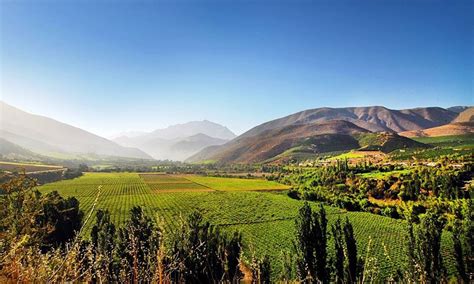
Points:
[[424, 250], [305, 244], [103, 240], [459, 252], [201, 254], [311, 244], [137, 247], [339, 251], [411, 249], [320, 231], [261, 271], [233, 249], [351, 247]]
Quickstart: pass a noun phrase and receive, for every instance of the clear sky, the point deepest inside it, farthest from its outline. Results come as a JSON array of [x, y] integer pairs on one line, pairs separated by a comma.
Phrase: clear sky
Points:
[[110, 66]]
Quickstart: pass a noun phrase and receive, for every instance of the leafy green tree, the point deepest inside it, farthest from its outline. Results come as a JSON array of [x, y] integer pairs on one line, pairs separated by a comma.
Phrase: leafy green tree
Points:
[[45, 220], [63, 218], [20, 206]]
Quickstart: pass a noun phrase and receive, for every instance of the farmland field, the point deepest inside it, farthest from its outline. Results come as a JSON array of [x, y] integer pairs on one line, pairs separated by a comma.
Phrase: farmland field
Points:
[[265, 217], [384, 175], [236, 184], [448, 141], [11, 166]]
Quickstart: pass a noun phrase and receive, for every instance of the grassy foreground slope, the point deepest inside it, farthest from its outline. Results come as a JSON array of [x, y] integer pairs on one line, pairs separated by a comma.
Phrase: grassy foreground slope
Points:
[[265, 218]]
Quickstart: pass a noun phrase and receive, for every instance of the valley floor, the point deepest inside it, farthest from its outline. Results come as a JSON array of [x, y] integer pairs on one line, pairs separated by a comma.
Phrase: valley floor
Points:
[[260, 209]]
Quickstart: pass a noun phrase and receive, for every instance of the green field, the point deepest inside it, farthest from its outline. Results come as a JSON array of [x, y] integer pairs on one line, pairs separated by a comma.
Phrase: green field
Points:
[[448, 141], [384, 175], [348, 155], [265, 217], [236, 184]]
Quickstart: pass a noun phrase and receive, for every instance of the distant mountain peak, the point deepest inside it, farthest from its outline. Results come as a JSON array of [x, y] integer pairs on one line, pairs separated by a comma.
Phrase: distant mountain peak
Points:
[[179, 141], [187, 129]]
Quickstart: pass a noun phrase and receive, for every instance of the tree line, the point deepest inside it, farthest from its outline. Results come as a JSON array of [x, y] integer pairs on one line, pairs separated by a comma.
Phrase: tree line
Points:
[[342, 185]]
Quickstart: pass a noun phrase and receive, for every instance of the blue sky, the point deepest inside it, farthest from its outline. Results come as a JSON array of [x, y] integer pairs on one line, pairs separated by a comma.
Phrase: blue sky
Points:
[[110, 66]]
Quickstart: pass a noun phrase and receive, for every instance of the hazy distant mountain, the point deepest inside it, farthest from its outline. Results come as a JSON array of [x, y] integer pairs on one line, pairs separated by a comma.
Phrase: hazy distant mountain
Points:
[[47, 136], [178, 131], [9, 150], [178, 142], [31, 144], [189, 146], [196, 142], [127, 134], [320, 130]]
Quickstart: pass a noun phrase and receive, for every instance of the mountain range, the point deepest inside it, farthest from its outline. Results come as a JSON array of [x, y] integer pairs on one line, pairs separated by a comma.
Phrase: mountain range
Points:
[[334, 129], [28, 135], [308, 132]]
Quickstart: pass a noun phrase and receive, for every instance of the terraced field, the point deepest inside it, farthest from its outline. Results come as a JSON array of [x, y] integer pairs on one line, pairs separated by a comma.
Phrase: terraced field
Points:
[[264, 216]]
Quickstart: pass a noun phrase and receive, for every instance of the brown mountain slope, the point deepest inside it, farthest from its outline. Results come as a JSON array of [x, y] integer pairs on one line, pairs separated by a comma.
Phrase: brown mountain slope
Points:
[[374, 118], [306, 139], [307, 127], [465, 116], [459, 128], [324, 137]]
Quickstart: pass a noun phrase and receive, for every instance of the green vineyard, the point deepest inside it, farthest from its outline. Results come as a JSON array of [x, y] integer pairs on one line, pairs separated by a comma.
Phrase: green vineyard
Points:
[[264, 215]]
